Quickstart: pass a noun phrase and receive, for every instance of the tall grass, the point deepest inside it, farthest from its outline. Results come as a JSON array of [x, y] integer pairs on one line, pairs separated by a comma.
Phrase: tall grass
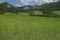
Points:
[[16, 27]]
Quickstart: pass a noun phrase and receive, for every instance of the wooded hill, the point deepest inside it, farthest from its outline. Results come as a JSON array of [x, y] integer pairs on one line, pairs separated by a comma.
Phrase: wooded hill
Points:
[[48, 7]]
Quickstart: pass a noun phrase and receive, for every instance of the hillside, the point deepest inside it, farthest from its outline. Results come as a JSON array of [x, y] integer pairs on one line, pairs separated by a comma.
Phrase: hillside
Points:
[[51, 6], [46, 8]]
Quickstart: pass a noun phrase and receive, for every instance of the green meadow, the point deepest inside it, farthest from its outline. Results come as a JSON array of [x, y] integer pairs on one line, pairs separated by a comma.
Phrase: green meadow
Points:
[[22, 27]]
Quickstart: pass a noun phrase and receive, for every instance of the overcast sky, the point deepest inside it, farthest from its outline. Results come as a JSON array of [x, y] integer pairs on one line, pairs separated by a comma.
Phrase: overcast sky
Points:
[[27, 2]]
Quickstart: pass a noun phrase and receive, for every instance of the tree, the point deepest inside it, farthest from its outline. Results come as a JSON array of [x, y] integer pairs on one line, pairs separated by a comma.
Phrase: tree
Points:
[[50, 7]]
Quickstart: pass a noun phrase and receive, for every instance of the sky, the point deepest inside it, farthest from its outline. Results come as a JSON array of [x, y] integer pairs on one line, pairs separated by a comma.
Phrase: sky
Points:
[[27, 2]]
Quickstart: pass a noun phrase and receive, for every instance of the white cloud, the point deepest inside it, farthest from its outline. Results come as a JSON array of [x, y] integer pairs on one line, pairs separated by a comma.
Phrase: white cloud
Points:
[[26, 2], [18, 5]]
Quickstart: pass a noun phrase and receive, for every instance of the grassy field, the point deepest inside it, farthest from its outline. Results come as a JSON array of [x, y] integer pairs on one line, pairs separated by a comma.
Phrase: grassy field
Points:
[[17, 27]]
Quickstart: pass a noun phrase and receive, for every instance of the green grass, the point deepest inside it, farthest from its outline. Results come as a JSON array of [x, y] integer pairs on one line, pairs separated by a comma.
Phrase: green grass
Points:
[[57, 12], [16, 27]]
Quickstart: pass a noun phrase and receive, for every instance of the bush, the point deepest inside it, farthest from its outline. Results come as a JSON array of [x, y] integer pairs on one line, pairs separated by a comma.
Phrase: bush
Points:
[[30, 13], [48, 12]]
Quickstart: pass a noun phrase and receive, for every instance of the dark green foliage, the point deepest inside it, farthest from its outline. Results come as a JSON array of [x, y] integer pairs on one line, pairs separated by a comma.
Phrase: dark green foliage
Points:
[[47, 13], [50, 7], [6, 7], [30, 13]]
